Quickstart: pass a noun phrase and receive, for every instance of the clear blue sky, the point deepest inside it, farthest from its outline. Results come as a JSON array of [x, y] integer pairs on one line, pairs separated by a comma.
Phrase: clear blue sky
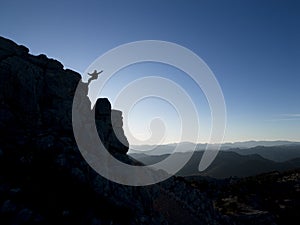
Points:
[[253, 47]]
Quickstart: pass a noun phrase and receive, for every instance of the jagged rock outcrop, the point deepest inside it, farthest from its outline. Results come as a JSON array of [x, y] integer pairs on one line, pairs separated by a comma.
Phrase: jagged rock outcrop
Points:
[[35, 91], [110, 126], [37, 94]]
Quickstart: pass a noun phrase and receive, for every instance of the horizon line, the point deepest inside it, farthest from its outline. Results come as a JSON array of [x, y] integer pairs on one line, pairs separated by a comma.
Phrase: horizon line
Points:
[[227, 142]]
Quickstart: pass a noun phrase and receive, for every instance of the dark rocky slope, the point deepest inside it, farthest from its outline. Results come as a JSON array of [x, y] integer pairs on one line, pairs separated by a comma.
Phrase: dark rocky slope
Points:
[[269, 198]]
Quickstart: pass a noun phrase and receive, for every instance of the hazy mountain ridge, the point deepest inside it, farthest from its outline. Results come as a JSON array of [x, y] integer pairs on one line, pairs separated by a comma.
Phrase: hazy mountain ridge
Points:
[[188, 146], [236, 162]]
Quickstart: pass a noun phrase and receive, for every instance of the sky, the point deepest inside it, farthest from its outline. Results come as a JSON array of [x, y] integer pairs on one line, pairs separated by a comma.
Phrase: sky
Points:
[[252, 47]]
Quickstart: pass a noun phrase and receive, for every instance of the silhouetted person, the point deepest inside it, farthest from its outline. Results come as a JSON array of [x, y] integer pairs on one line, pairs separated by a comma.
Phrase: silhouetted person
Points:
[[93, 75]]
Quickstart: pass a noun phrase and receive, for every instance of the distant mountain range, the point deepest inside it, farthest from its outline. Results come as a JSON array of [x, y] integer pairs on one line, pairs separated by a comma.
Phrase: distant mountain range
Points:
[[238, 162], [251, 144], [188, 146], [280, 153]]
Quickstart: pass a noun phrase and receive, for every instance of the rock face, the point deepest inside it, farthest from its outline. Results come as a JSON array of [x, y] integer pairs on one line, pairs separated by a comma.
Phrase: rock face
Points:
[[35, 89], [110, 127], [37, 94]]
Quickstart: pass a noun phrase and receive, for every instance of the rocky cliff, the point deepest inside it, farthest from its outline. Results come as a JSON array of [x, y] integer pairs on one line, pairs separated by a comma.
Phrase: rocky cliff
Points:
[[43, 177]]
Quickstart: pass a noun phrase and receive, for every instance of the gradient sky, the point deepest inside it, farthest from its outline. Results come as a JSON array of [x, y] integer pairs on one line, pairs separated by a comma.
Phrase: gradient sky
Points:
[[252, 47]]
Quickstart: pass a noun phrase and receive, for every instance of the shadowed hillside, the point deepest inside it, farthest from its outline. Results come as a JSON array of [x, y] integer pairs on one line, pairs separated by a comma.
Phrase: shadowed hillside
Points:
[[228, 164]]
